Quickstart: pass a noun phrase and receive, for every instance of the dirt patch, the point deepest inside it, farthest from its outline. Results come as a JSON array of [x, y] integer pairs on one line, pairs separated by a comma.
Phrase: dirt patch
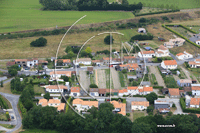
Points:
[[101, 77]]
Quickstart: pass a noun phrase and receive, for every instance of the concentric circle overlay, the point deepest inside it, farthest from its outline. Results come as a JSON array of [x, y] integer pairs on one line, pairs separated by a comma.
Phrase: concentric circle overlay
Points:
[[78, 56]]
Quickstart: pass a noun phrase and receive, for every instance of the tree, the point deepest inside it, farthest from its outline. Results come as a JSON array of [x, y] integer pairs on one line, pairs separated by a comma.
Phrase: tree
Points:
[[39, 42], [70, 55], [93, 86], [151, 97], [88, 50], [68, 48], [150, 109], [1, 83], [65, 78], [125, 2], [173, 105], [108, 39], [12, 72], [47, 96], [141, 128], [124, 71]]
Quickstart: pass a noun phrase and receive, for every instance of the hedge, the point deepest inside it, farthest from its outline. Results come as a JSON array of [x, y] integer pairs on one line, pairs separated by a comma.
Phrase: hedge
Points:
[[139, 96], [150, 13], [188, 110], [3, 103], [178, 34], [161, 96], [22, 108], [67, 106], [8, 116], [158, 87]]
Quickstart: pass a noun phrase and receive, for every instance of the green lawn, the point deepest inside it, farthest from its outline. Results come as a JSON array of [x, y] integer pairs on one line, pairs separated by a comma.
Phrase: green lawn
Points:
[[3, 116], [182, 4], [138, 114], [121, 78], [38, 89], [27, 14]]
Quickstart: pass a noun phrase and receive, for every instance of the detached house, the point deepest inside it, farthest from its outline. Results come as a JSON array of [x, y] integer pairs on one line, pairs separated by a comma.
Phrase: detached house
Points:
[[184, 82], [57, 74], [75, 91], [129, 59], [81, 105], [195, 89], [123, 92], [184, 56], [169, 64], [132, 90], [65, 62], [56, 90], [146, 54], [194, 102], [94, 92], [195, 63], [162, 51], [129, 67], [119, 107], [54, 103], [174, 93], [174, 43], [84, 61], [139, 105], [106, 60]]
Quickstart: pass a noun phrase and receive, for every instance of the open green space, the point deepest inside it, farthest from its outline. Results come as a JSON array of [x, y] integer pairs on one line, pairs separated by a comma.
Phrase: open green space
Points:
[[38, 89], [181, 4], [3, 117], [121, 78], [138, 114], [27, 14]]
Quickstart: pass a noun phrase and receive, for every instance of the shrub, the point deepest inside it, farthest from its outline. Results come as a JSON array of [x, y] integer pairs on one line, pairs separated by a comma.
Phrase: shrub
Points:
[[141, 37], [124, 71], [107, 39], [165, 18], [127, 114], [39, 42], [93, 86], [173, 105], [8, 116]]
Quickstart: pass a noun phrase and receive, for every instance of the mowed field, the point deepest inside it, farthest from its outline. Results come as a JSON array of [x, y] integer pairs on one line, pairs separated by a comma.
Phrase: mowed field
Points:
[[18, 15], [181, 4], [20, 48]]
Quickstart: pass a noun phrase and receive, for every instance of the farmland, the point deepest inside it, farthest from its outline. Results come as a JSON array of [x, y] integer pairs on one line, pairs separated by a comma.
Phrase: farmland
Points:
[[20, 48], [27, 14]]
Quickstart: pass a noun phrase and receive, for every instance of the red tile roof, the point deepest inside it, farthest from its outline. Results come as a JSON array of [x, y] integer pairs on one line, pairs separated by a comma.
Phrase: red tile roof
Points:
[[75, 89], [170, 62], [174, 91]]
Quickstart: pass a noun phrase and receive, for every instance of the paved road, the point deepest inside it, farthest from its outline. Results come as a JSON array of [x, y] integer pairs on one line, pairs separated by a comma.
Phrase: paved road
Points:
[[154, 70], [3, 70], [13, 99]]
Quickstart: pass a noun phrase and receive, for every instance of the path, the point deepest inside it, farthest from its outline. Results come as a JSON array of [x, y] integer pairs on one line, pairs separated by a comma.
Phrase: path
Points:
[[101, 77], [115, 79], [13, 99], [154, 70], [84, 80]]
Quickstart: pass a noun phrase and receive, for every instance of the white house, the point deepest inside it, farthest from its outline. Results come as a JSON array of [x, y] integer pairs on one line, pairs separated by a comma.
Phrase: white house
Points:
[[195, 89], [146, 54], [57, 74], [94, 92], [139, 105], [84, 61], [195, 63], [162, 51], [194, 102], [81, 105], [169, 64], [198, 42], [183, 56], [132, 90], [56, 89], [174, 43], [123, 92], [75, 91]]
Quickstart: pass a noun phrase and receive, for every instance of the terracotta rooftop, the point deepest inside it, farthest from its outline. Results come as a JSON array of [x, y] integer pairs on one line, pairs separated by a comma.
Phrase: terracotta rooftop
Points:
[[43, 102], [170, 62], [122, 91], [174, 91], [129, 57], [162, 47], [16, 60], [10, 63], [89, 103], [42, 61], [54, 101], [75, 89], [56, 87], [61, 107], [132, 87], [95, 61], [83, 59], [195, 87], [148, 89], [141, 103], [122, 106], [67, 73], [64, 60], [179, 54], [147, 52], [194, 101], [94, 90], [185, 81], [107, 58]]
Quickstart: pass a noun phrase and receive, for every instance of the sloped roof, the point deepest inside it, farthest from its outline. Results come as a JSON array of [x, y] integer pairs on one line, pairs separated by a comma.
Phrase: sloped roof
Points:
[[141, 103], [194, 101], [75, 89], [67, 73], [170, 62], [122, 106], [174, 91], [56, 87]]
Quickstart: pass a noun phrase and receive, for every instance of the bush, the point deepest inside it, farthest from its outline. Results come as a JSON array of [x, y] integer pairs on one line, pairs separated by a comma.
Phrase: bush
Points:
[[127, 114], [158, 87], [22, 108], [39, 42], [93, 86], [3, 103], [124, 71], [8, 116], [150, 13], [173, 105], [107, 39], [141, 37], [165, 18]]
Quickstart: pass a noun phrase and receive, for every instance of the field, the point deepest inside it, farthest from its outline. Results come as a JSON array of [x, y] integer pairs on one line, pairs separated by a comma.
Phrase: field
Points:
[[20, 48], [182, 4], [27, 14], [38, 89]]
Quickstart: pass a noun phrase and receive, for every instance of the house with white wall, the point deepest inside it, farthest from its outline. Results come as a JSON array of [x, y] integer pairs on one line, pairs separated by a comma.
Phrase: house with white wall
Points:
[[119, 107], [169, 64], [75, 92], [56, 89], [94, 92], [174, 93], [195, 89], [81, 105], [184, 56], [146, 54], [52, 103], [162, 51], [195, 63], [139, 105], [57, 74], [194, 102], [84, 61]]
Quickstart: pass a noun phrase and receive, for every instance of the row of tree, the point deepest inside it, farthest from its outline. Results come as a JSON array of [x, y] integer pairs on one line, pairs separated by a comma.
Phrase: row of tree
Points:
[[83, 5], [103, 120]]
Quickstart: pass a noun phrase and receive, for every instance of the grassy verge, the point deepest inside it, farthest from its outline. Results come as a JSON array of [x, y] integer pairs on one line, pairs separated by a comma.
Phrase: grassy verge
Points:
[[92, 78], [6, 88], [153, 79], [6, 102], [121, 78], [108, 79], [7, 126], [3, 117]]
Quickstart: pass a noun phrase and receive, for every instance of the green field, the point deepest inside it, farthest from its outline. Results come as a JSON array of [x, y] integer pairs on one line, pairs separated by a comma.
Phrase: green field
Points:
[[182, 4], [27, 14]]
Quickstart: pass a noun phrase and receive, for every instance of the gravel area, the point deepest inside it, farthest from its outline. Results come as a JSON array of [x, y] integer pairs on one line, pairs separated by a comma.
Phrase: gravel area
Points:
[[101, 78], [115, 79], [84, 80]]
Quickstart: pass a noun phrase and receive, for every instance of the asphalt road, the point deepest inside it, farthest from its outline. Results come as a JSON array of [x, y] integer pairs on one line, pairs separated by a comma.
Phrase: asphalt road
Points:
[[13, 99]]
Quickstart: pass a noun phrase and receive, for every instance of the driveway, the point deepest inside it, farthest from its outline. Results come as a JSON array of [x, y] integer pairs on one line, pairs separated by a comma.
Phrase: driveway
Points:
[[13, 99], [154, 70]]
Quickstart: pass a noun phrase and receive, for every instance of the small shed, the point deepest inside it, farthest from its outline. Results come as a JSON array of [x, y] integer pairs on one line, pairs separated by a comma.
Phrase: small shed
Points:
[[141, 30]]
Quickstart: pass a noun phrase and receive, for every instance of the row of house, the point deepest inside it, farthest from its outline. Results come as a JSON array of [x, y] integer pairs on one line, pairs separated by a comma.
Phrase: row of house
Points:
[[134, 90], [177, 42], [162, 51], [52, 103]]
